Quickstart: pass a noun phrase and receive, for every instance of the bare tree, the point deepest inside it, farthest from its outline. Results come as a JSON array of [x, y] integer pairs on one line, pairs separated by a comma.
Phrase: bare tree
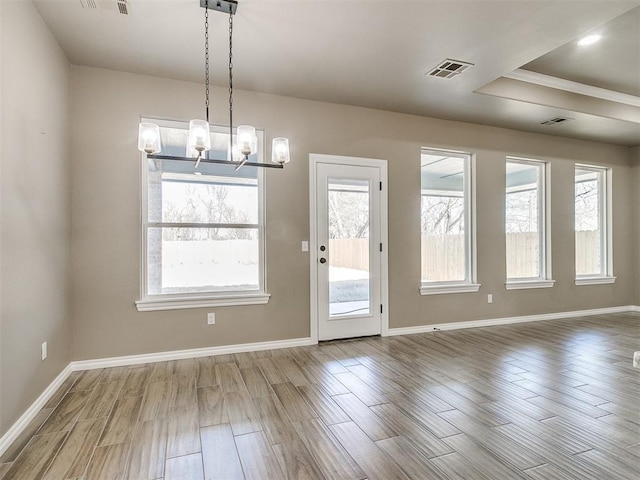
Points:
[[210, 204], [521, 211], [348, 214], [587, 205], [442, 215]]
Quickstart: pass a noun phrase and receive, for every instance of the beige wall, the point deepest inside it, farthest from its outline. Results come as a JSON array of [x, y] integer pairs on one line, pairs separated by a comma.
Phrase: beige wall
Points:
[[35, 209], [106, 214], [635, 161]]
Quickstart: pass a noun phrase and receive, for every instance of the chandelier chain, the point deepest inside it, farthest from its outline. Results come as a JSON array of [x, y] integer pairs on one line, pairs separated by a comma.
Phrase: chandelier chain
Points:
[[206, 59], [231, 83]]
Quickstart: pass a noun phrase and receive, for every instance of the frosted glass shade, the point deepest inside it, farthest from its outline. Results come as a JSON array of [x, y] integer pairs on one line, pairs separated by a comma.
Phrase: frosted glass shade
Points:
[[199, 136], [280, 150], [233, 154], [247, 140], [149, 138]]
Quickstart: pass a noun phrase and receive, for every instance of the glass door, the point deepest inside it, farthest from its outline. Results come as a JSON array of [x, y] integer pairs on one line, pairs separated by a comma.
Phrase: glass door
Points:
[[348, 250]]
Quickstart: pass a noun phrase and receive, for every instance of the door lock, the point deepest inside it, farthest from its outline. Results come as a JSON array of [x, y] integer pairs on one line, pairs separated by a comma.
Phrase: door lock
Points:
[[322, 248]]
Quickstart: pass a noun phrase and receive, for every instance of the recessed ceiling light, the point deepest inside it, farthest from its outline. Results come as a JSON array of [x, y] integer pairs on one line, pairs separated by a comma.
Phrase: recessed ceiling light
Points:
[[588, 40]]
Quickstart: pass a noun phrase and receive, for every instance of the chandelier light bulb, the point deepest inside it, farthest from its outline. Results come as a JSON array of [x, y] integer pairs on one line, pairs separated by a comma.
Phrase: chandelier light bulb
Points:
[[280, 150], [199, 136], [247, 140], [149, 138]]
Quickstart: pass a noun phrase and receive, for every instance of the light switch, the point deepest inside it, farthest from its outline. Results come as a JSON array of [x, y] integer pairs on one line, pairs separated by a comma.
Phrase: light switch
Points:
[[305, 246]]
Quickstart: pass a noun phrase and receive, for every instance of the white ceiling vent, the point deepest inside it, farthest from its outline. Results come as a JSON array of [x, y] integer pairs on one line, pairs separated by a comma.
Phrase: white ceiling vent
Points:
[[449, 68], [115, 6], [556, 121]]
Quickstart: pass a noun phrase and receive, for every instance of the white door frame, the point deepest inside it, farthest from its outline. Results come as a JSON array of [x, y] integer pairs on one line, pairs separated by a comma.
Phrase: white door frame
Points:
[[314, 160]]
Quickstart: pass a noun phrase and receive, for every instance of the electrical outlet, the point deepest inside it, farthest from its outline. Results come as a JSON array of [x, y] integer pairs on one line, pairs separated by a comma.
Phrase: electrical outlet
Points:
[[490, 298], [43, 350], [211, 318], [636, 359]]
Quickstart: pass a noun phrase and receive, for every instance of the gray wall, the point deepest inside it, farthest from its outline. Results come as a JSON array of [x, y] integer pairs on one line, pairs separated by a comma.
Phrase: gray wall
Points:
[[106, 214], [34, 209]]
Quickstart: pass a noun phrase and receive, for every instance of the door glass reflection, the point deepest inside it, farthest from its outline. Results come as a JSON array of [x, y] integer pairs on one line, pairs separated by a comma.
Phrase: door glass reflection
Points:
[[348, 216]]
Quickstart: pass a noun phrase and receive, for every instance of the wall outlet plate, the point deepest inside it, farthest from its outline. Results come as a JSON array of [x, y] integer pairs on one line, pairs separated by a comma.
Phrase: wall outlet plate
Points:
[[211, 318], [636, 359], [43, 350]]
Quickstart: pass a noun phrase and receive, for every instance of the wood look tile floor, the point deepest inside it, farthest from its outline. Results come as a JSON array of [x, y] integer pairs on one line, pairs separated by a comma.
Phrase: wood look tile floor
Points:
[[545, 400]]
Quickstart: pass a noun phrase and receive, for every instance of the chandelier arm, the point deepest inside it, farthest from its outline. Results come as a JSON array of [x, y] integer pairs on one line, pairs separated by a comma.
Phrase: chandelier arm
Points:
[[215, 160], [242, 163]]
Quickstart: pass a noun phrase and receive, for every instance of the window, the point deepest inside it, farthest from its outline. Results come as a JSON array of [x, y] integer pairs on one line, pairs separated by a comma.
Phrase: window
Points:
[[447, 243], [593, 225], [202, 229], [528, 259]]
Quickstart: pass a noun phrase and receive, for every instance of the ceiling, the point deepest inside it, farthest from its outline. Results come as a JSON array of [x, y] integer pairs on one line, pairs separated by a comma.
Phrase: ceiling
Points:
[[527, 66]]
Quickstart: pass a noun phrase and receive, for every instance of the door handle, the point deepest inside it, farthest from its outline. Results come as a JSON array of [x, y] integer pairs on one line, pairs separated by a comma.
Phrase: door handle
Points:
[[323, 260]]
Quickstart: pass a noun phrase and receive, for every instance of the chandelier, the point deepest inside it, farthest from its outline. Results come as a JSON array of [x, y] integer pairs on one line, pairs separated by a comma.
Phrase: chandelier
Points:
[[199, 139]]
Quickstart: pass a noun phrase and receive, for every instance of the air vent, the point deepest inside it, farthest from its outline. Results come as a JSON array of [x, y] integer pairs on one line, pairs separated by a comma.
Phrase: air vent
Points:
[[115, 6], [122, 7], [449, 68], [556, 121], [90, 4]]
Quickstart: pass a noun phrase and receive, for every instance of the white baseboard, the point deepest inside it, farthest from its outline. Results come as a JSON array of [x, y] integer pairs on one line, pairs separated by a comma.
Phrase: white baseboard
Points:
[[192, 353], [16, 429], [509, 320]]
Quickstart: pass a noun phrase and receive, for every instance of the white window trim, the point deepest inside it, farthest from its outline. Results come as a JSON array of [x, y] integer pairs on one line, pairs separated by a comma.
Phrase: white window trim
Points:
[[544, 207], [154, 303], [606, 225], [524, 284], [148, 303], [437, 289], [591, 280], [470, 285]]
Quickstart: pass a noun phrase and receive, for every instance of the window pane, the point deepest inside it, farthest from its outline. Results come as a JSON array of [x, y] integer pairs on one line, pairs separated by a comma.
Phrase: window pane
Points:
[[443, 217], [193, 260], [523, 220], [219, 200], [588, 222], [348, 214]]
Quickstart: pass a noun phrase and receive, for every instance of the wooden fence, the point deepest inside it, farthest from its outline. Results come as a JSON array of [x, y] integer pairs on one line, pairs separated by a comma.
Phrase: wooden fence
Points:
[[349, 253], [443, 257]]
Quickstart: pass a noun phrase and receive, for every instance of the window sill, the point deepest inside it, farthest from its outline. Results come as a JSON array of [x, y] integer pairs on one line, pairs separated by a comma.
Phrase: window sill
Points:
[[595, 280], [449, 288], [150, 304], [526, 284]]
